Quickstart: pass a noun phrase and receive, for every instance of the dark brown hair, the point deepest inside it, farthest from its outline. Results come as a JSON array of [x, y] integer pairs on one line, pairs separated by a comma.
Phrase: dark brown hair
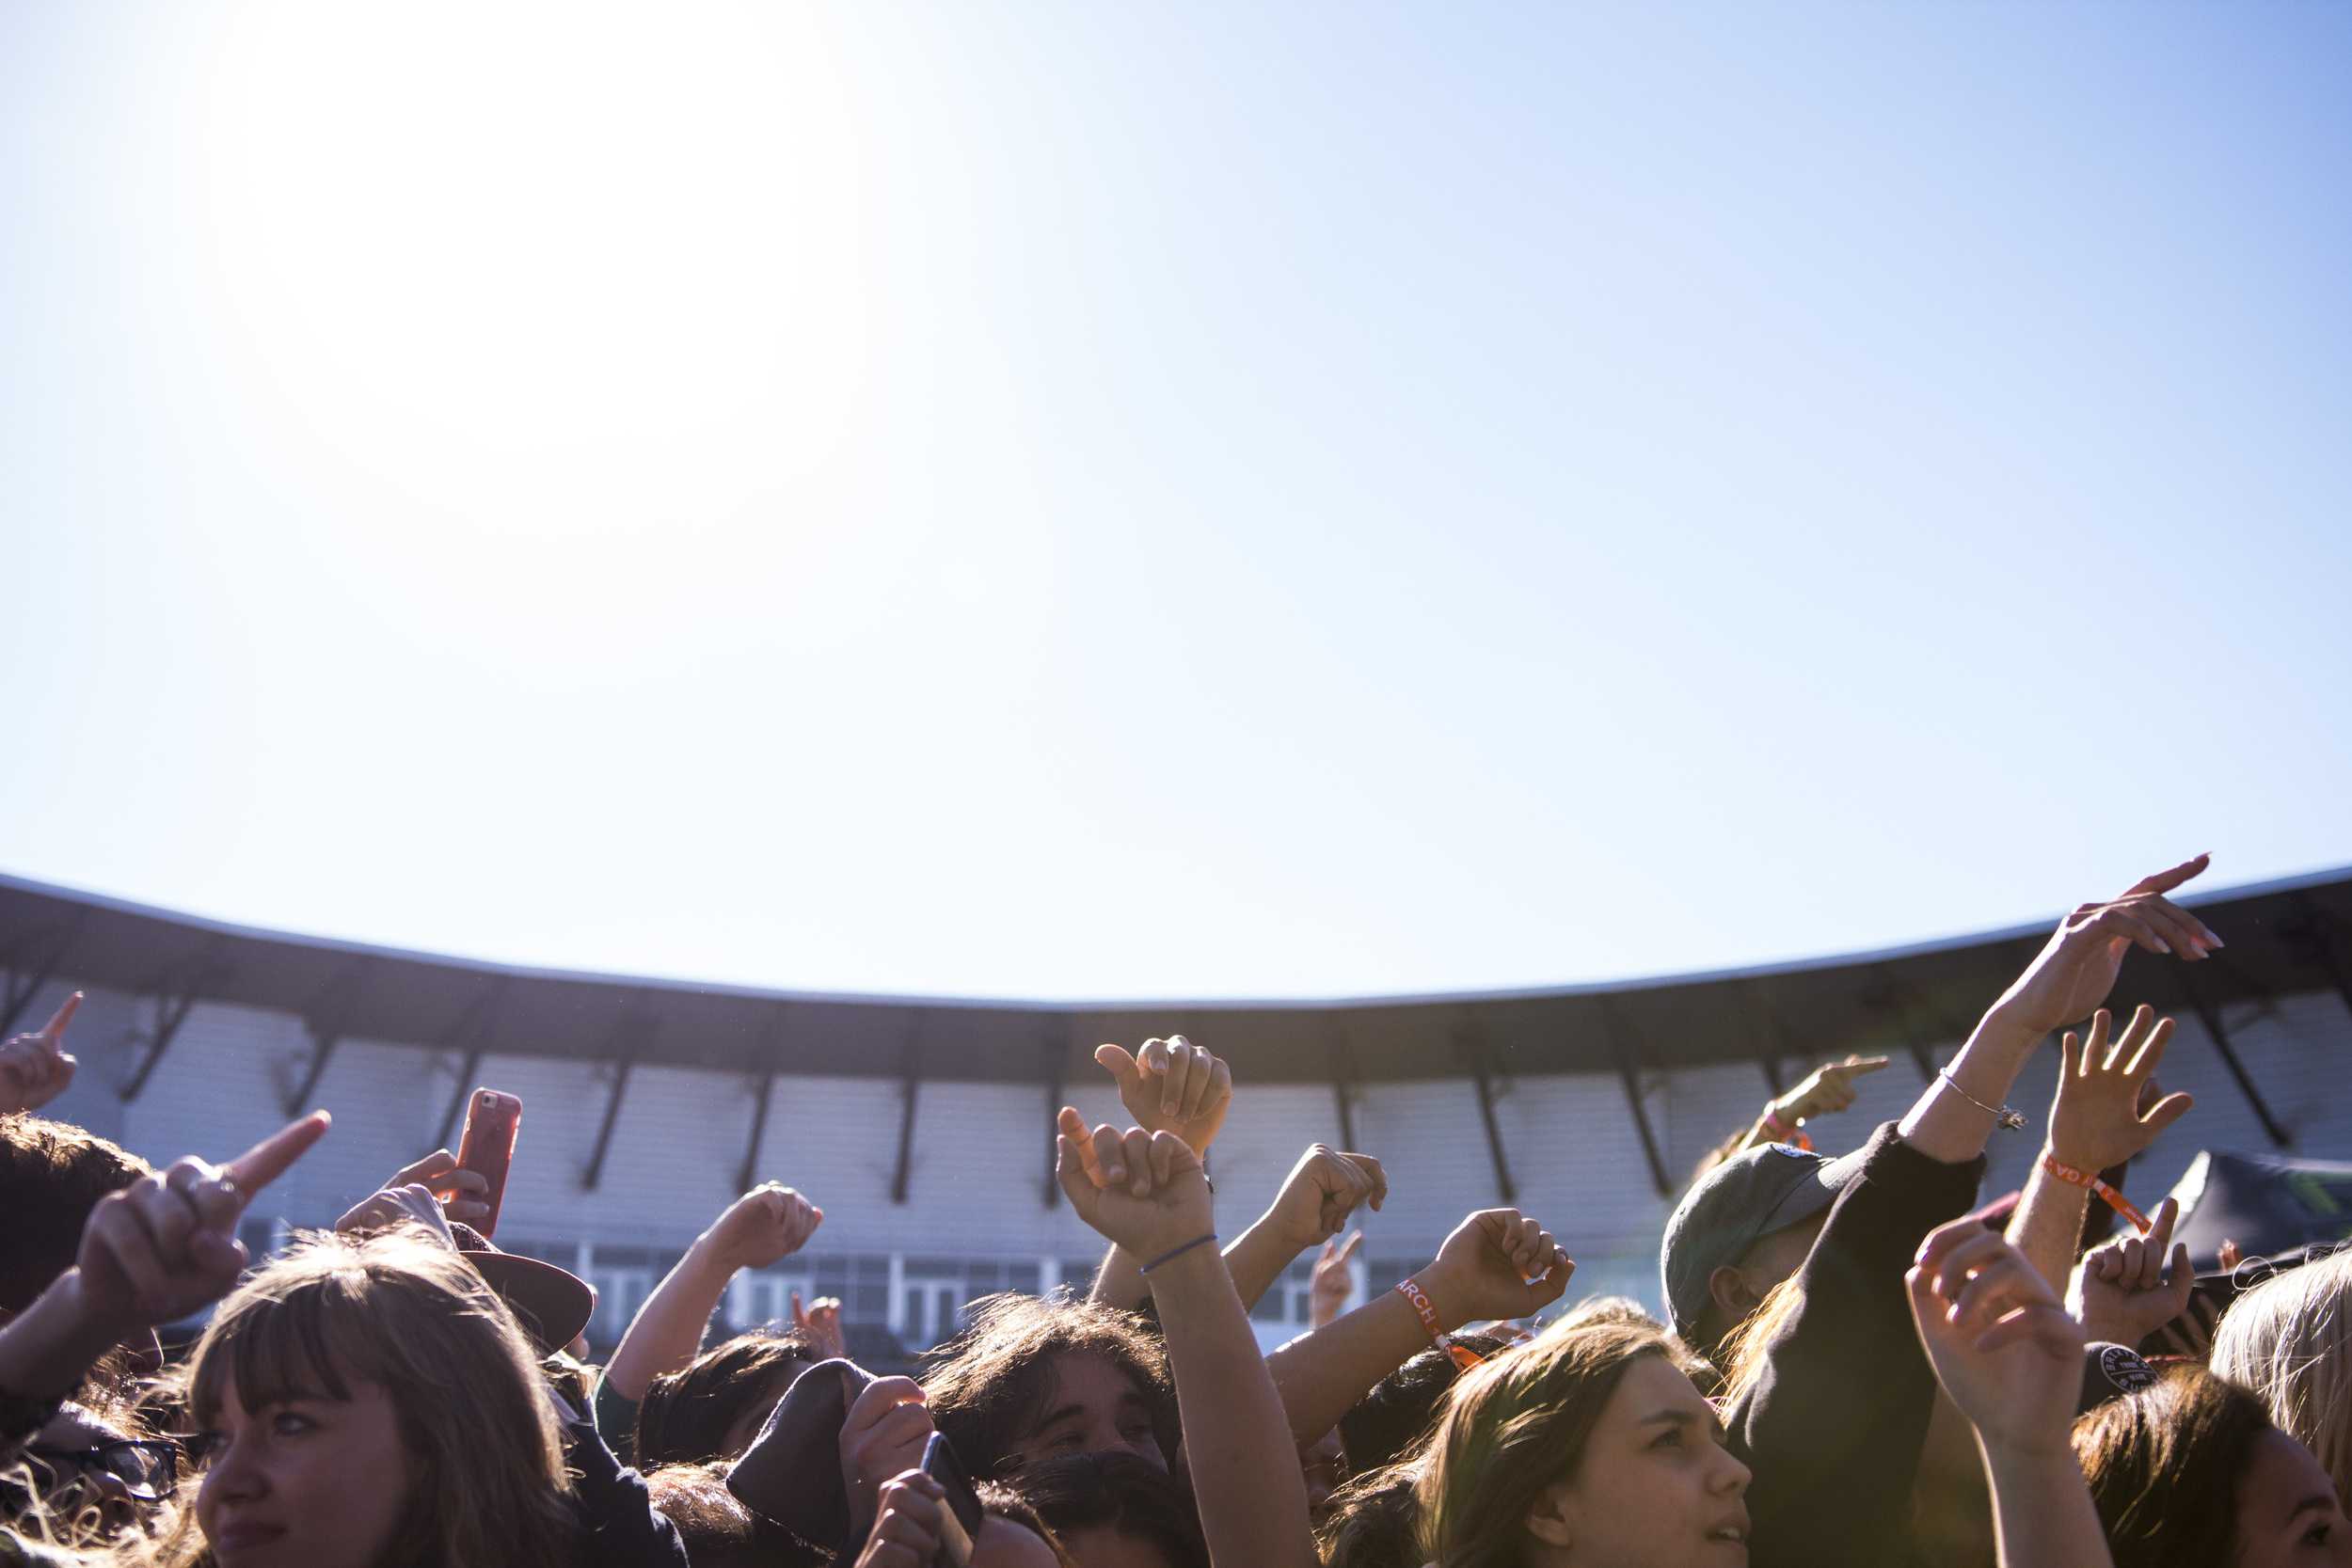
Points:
[[1396, 1415], [52, 1175], [988, 1387], [1374, 1521], [1119, 1493], [2163, 1464], [686, 1415]]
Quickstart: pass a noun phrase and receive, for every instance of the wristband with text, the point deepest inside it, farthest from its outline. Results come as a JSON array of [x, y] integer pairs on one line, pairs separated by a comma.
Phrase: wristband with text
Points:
[[2090, 1183], [1463, 1356]]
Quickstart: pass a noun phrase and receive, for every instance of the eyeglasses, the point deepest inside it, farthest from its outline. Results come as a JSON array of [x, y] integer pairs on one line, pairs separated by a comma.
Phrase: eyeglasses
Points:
[[147, 1468]]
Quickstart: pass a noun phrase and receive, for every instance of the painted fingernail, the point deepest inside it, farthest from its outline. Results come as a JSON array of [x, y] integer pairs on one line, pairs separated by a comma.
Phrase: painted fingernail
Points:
[[1115, 1172], [2161, 945], [2215, 940]]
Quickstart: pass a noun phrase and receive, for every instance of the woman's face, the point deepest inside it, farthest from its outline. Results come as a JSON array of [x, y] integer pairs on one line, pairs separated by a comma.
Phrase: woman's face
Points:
[[2288, 1513], [306, 1482], [1656, 1487]]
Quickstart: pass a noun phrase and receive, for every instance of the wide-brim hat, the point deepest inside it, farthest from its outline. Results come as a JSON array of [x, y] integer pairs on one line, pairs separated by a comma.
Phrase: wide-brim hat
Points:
[[552, 1304]]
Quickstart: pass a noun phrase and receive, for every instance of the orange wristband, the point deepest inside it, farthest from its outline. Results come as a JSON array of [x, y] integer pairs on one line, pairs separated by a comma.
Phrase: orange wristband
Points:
[[2089, 1182], [1789, 1133], [1463, 1356]]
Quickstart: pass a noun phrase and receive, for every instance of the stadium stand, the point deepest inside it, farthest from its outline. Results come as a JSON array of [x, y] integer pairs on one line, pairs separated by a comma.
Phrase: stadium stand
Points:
[[649, 1104]]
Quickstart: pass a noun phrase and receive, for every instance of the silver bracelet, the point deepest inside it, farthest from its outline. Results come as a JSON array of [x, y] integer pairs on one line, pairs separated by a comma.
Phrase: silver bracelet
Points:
[[2007, 1117]]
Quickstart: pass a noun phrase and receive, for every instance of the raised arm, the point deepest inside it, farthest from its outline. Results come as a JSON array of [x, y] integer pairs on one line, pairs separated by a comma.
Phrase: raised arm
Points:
[[768, 1223], [1153, 1202], [152, 1253], [1169, 1085], [2067, 979], [2095, 1122], [2010, 1358], [1321, 1191], [1825, 1091], [1498, 1263], [34, 1068]]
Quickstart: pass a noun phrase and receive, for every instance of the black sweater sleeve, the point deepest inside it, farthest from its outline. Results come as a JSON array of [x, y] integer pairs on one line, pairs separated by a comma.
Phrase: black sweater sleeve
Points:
[[622, 1528], [1834, 1426]]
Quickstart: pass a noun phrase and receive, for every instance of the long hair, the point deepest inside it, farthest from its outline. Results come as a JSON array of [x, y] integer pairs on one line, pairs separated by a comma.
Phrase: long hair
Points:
[[1514, 1426], [2289, 1340], [2164, 1462], [685, 1416], [1746, 1351], [404, 1312], [989, 1384]]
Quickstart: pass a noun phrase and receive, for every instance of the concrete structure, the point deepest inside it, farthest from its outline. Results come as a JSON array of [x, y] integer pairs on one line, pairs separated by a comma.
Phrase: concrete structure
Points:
[[922, 1127]]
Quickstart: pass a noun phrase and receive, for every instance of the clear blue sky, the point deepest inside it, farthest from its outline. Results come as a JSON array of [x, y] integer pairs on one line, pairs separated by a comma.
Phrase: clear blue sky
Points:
[[1172, 500]]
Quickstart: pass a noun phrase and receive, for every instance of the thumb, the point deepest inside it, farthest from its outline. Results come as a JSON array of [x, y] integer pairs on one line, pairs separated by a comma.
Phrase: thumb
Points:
[[2171, 1108], [1119, 1061]]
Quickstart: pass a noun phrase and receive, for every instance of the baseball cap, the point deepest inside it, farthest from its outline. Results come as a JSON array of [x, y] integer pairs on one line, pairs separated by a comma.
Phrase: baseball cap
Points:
[[553, 1305], [1739, 1203]]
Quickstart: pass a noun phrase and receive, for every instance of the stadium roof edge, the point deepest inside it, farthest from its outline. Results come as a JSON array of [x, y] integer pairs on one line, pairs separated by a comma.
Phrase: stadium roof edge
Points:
[[2285, 935]]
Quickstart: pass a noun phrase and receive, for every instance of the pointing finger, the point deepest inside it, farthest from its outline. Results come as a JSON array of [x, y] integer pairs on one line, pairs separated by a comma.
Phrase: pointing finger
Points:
[[2164, 882], [270, 1159], [53, 1030]]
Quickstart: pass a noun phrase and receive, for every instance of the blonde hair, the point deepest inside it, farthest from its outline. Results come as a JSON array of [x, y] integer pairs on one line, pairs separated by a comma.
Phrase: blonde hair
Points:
[[1747, 1349], [2289, 1342], [400, 1310], [1514, 1425]]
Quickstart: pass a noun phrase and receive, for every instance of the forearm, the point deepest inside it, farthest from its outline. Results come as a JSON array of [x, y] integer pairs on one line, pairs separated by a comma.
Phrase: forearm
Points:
[[1257, 1259], [1321, 1376], [1949, 1122], [667, 1332], [1120, 1281], [2047, 1225], [2041, 1511], [1243, 1457], [47, 1349]]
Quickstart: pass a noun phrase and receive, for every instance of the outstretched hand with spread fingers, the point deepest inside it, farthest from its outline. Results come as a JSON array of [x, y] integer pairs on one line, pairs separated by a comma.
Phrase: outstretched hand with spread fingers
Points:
[[2076, 966], [2002, 1346], [167, 1245], [1172, 1085], [34, 1068], [2097, 1120]]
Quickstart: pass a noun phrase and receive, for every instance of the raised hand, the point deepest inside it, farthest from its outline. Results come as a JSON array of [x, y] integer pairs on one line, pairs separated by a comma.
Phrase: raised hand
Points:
[[2097, 1120], [1827, 1089], [819, 1324], [882, 1436], [2002, 1346], [1142, 1191], [768, 1223], [1498, 1263], [167, 1245], [1330, 1284], [2077, 968], [2125, 1289], [1172, 1085], [1321, 1190], [35, 1067], [412, 1202], [910, 1524], [460, 1192]]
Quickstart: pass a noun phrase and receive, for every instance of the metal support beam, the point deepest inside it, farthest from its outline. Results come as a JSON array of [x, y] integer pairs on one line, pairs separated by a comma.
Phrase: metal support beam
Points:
[[631, 1037], [770, 1051], [913, 1082], [466, 1073], [175, 996], [1474, 1050], [2210, 1016], [39, 972], [1773, 1039], [595, 1173], [1343, 1085], [326, 1020], [1053, 1052], [1889, 996], [2313, 941], [747, 1174], [471, 1029], [1627, 1057]]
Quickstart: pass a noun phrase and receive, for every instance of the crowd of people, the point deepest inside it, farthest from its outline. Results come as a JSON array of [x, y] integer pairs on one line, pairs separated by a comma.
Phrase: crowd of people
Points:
[[1857, 1364]]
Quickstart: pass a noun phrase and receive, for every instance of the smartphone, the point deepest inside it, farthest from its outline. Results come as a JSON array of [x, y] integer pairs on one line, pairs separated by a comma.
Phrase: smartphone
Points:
[[492, 1120], [963, 1523]]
